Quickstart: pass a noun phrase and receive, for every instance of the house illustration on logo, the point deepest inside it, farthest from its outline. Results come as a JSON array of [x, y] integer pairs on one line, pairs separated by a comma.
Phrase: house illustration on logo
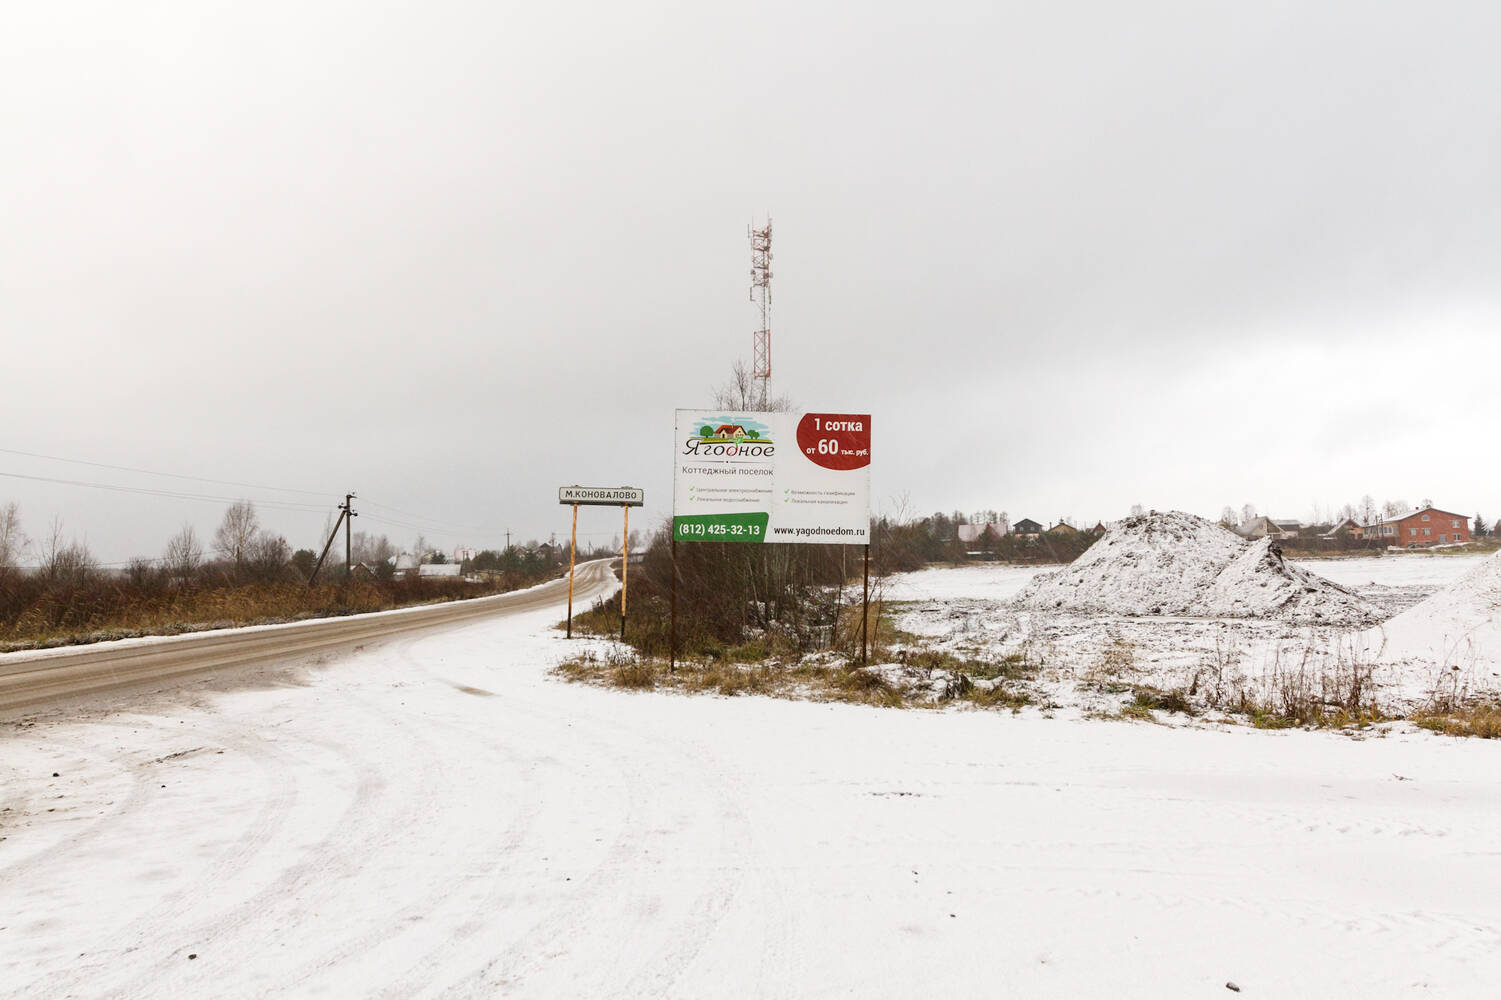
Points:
[[728, 431]]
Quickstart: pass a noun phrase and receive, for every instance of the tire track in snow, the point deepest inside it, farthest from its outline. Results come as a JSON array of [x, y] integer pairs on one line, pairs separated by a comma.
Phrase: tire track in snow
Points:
[[312, 881], [398, 923], [153, 926]]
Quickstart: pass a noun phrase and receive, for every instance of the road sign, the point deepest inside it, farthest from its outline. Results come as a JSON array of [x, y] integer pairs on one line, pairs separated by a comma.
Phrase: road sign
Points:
[[602, 496]]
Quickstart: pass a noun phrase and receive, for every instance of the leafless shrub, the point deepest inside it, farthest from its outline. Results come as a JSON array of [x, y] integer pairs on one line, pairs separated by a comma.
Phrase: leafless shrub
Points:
[[267, 557], [65, 563], [183, 556], [12, 541], [235, 533]]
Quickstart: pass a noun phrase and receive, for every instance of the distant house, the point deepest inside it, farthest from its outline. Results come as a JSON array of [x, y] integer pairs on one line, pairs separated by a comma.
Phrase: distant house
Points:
[[972, 534], [1265, 527], [435, 570], [1063, 528], [1098, 529], [1420, 528], [1026, 528], [1347, 526], [404, 565]]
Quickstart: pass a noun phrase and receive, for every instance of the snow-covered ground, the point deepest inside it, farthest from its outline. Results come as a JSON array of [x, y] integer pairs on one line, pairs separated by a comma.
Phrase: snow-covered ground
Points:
[[1001, 582], [986, 581], [971, 614], [440, 816]]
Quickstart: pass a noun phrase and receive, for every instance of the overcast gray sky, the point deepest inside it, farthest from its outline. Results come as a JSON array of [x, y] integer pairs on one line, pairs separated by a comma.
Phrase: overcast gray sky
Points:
[[1071, 256]]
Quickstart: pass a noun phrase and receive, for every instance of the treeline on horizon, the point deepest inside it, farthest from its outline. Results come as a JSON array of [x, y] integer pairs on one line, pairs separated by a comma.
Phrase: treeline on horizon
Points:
[[53, 591]]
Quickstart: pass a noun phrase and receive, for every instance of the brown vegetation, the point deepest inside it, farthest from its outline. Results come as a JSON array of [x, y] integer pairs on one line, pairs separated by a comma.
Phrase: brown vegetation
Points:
[[68, 598]]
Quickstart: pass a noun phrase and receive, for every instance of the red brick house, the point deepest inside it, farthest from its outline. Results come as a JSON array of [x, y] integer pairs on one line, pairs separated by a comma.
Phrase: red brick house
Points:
[[1420, 528]]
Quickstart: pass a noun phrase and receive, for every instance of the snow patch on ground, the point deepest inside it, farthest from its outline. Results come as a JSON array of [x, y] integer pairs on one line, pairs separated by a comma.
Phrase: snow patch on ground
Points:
[[990, 581], [1456, 628]]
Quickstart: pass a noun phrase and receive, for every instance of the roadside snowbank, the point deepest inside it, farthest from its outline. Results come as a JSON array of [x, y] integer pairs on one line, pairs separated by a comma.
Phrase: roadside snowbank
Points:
[[1459, 627], [1179, 564]]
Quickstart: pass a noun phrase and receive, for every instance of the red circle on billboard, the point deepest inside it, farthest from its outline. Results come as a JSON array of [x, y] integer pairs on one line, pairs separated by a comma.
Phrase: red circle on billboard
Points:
[[839, 441]]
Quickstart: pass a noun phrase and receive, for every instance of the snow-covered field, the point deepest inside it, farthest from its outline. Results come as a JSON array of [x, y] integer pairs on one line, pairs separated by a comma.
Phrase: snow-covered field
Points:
[[1001, 582], [971, 614], [440, 816], [985, 582]]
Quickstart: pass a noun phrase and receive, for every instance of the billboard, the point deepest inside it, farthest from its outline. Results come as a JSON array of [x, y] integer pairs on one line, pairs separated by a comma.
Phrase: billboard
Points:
[[771, 477]]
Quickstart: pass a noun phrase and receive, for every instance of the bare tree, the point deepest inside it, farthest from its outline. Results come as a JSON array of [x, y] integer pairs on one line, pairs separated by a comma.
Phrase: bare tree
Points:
[[183, 555], [12, 542], [65, 563], [371, 549], [236, 532], [1368, 509], [1227, 517], [142, 573], [267, 556], [1394, 507], [1247, 515], [740, 393]]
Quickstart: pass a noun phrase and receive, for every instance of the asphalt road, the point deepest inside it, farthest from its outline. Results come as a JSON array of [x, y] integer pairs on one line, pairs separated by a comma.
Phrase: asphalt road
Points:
[[29, 679]]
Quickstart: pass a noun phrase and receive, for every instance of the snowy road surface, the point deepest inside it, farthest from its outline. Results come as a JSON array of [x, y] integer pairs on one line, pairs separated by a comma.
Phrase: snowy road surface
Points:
[[438, 816], [46, 676]]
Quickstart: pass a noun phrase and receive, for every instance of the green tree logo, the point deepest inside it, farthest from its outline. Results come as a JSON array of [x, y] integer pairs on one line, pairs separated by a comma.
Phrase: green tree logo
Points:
[[706, 432]]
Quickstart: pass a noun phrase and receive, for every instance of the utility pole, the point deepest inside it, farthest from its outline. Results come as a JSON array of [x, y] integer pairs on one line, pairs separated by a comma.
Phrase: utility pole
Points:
[[349, 516], [345, 513]]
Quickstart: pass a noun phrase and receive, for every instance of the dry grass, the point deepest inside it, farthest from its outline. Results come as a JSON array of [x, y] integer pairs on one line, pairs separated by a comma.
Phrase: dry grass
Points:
[[813, 680], [930, 682], [1481, 720], [111, 610]]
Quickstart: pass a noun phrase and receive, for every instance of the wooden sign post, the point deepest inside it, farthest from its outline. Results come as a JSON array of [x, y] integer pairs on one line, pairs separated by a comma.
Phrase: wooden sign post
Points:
[[600, 496]]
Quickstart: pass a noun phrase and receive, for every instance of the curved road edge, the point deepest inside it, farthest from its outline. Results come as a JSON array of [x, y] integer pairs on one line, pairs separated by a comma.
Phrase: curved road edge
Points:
[[28, 679]]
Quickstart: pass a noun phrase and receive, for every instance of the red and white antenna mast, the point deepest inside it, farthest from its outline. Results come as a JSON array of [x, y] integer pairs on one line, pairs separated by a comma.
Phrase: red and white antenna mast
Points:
[[760, 241]]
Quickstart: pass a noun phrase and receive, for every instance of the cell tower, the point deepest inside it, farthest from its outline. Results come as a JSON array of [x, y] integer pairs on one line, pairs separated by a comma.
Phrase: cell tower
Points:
[[760, 241]]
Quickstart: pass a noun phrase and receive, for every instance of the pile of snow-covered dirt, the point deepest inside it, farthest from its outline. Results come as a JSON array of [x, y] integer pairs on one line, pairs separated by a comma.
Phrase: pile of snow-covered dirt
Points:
[[1259, 583], [1460, 626], [1179, 564]]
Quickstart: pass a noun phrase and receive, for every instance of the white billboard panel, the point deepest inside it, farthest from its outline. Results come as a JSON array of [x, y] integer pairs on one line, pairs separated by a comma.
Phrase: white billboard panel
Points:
[[771, 477]]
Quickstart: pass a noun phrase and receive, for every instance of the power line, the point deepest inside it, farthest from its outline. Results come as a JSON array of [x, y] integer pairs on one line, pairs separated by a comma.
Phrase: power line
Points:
[[168, 494], [438, 522], [169, 475]]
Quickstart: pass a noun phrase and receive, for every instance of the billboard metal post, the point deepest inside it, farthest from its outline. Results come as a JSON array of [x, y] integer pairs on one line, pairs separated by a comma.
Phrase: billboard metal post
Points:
[[672, 633], [865, 614], [572, 547]]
